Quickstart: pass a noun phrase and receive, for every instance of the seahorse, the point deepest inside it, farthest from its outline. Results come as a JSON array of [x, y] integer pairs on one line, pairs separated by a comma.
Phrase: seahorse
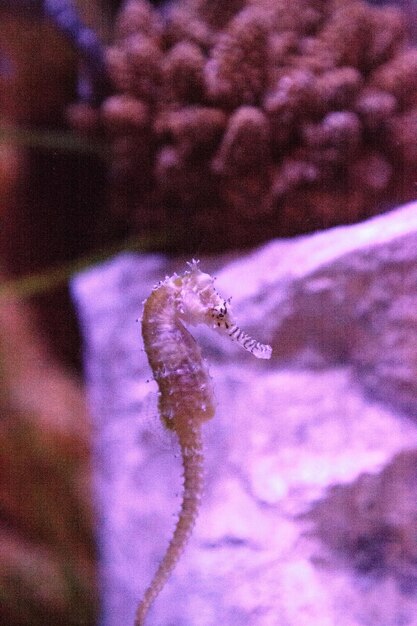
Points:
[[185, 397]]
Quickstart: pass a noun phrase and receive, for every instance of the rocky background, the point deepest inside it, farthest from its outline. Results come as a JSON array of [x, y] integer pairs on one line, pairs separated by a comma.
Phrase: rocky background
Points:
[[309, 512]]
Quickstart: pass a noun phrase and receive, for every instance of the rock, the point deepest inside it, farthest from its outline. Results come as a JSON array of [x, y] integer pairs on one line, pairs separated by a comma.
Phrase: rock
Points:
[[369, 525], [298, 444]]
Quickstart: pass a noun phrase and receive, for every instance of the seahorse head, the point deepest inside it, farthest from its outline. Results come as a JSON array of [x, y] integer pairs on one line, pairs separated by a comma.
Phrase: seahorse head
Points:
[[199, 302]]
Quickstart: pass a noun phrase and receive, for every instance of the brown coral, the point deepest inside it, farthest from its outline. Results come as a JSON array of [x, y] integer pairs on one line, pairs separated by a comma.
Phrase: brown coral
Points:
[[182, 73], [245, 144], [301, 115], [236, 72]]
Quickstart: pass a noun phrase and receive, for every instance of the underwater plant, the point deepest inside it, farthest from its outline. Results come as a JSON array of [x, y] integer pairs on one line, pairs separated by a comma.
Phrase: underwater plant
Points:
[[186, 398]]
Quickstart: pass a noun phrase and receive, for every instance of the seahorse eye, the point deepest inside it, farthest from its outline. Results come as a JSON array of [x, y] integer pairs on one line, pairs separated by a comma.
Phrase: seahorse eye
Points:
[[218, 313]]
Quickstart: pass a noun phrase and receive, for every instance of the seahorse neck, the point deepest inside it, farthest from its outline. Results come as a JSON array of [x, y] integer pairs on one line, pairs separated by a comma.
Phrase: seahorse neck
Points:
[[160, 306]]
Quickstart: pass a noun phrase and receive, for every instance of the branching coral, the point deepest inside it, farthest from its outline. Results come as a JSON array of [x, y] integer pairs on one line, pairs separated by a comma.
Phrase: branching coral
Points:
[[236, 72], [302, 114]]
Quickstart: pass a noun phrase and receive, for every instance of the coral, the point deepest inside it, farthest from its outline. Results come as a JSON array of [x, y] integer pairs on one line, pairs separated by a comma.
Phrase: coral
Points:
[[236, 72], [193, 130], [137, 17], [258, 108], [182, 73], [245, 143], [217, 13], [363, 37], [397, 77], [402, 135]]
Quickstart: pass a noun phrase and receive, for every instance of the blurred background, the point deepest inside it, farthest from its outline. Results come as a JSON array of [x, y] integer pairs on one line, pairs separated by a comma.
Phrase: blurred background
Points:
[[162, 127]]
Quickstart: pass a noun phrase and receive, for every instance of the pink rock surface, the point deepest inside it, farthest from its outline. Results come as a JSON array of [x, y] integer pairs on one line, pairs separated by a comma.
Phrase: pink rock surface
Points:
[[275, 544]]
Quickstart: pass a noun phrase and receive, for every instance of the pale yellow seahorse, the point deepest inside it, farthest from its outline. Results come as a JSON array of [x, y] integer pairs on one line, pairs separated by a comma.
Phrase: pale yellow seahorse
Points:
[[186, 398]]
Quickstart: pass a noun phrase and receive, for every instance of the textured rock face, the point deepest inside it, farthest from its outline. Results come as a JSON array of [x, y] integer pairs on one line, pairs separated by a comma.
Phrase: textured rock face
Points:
[[309, 512]]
